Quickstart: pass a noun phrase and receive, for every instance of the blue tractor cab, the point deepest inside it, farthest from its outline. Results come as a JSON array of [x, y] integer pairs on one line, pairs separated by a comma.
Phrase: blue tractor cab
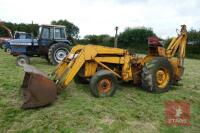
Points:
[[51, 43]]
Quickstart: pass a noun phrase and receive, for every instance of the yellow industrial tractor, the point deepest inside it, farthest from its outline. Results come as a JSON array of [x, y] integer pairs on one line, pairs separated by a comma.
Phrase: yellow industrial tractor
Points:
[[102, 67]]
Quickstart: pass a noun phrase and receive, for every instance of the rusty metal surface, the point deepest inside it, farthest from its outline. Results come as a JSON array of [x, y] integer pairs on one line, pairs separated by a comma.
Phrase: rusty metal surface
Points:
[[37, 89]]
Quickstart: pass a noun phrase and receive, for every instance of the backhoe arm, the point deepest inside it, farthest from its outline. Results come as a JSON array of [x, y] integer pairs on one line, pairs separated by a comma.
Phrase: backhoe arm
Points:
[[179, 44], [7, 29]]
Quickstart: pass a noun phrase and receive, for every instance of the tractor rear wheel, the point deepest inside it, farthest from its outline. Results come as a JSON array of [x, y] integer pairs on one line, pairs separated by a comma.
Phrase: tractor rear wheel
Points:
[[57, 52], [103, 84], [47, 58], [157, 75], [22, 60]]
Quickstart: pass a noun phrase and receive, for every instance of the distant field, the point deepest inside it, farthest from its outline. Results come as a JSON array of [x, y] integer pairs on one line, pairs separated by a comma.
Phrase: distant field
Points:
[[131, 109]]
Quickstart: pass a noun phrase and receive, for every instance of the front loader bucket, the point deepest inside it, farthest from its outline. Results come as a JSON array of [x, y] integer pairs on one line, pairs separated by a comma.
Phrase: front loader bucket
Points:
[[37, 89]]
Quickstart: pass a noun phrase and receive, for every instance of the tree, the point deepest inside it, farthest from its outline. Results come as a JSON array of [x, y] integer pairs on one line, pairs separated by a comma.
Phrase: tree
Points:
[[103, 39], [135, 38], [194, 35], [29, 28], [71, 29], [193, 46]]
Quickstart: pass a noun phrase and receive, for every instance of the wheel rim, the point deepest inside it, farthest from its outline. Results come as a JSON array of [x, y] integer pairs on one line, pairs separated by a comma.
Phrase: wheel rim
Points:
[[104, 86], [8, 50], [60, 54], [162, 78], [21, 62]]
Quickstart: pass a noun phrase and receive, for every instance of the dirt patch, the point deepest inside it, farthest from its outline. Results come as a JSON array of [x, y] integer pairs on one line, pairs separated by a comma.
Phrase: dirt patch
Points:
[[145, 126], [108, 120]]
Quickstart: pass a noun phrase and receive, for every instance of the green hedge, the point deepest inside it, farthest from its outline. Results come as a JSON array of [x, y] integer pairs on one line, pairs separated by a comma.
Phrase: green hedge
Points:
[[29, 28], [103, 39], [132, 38]]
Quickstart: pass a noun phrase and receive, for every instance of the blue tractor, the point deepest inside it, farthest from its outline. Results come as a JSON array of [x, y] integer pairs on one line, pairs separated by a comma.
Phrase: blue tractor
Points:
[[18, 36], [51, 43]]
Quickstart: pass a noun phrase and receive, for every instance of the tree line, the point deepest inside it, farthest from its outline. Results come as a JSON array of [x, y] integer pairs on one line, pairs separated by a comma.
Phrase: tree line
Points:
[[136, 39], [193, 46], [29, 28], [131, 38], [71, 29]]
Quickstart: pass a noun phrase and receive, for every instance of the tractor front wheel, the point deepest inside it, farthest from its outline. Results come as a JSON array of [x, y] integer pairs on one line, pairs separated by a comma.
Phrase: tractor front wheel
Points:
[[57, 52], [103, 84], [3, 46], [157, 75], [22, 60], [7, 50]]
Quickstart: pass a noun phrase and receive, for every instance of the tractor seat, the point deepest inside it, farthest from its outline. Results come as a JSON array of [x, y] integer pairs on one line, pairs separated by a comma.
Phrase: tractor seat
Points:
[[154, 42]]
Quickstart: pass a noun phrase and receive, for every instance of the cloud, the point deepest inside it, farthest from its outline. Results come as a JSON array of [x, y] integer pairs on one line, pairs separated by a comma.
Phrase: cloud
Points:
[[130, 1], [101, 16]]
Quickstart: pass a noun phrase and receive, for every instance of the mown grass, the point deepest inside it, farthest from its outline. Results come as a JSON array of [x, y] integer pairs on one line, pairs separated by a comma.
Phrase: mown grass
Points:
[[131, 109]]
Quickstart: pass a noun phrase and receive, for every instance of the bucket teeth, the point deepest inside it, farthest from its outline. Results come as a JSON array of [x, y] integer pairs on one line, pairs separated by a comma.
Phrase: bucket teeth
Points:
[[37, 89]]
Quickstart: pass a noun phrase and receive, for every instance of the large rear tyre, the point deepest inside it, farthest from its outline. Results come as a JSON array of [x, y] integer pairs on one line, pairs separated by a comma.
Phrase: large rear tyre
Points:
[[157, 75], [57, 52], [103, 84], [47, 58], [22, 60]]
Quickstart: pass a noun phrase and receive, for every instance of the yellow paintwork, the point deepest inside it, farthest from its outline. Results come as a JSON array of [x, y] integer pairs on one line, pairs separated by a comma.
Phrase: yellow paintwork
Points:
[[115, 60], [179, 44], [86, 59], [90, 69], [147, 58], [162, 78]]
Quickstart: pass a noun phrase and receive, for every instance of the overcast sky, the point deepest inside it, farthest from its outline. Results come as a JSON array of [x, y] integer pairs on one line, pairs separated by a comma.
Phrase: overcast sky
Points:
[[101, 16]]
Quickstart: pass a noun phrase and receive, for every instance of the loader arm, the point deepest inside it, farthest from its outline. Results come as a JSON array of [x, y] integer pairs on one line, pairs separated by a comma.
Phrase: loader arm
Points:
[[71, 65], [64, 77]]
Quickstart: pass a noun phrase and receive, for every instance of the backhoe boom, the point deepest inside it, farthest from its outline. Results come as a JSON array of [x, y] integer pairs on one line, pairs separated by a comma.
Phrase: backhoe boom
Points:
[[179, 44]]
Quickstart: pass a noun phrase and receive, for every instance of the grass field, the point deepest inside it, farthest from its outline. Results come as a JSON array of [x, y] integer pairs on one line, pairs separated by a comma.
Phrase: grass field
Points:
[[131, 109]]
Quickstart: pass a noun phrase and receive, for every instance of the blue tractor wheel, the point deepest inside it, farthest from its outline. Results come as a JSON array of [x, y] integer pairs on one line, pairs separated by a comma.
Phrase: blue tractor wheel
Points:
[[7, 50], [3, 46], [22, 60]]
